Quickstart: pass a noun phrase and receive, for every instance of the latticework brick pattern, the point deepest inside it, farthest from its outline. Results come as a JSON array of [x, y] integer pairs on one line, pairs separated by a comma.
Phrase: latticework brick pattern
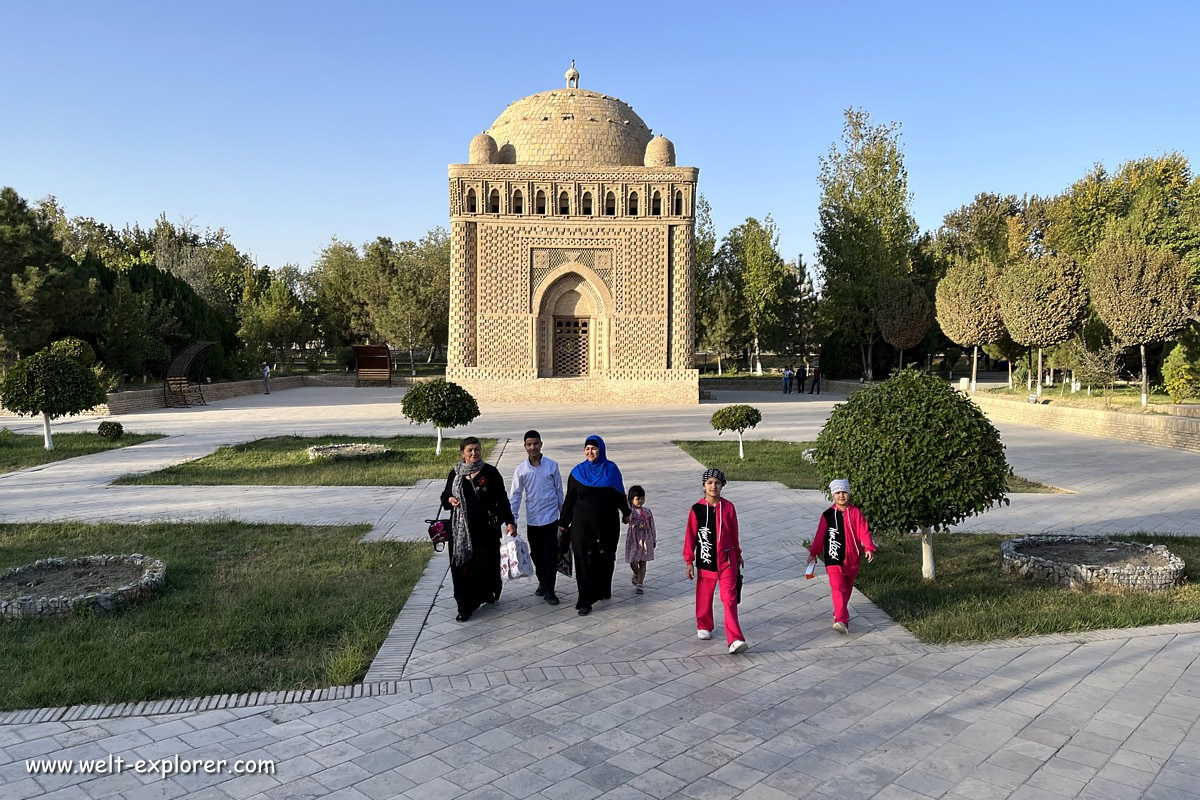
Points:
[[461, 349], [683, 300]]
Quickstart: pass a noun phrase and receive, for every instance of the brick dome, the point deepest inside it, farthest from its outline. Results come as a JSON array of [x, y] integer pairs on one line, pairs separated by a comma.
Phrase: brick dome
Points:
[[483, 150], [571, 127], [660, 152]]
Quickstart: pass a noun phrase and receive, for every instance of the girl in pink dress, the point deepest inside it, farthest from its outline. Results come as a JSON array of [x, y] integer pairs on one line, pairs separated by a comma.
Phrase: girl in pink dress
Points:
[[639, 536]]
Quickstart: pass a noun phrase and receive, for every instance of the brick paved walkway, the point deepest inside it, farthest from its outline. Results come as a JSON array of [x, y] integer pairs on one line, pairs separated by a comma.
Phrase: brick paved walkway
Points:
[[529, 701]]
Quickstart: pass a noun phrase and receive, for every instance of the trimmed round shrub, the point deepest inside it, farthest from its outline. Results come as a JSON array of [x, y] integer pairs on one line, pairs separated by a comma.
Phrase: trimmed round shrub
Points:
[[445, 404], [50, 384], [75, 349], [110, 430], [919, 455]]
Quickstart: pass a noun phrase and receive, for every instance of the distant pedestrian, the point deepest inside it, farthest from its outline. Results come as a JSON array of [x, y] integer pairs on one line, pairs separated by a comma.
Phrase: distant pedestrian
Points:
[[538, 479], [713, 554], [266, 373], [801, 376], [816, 380], [788, 374], [640, 538], [843, 537]]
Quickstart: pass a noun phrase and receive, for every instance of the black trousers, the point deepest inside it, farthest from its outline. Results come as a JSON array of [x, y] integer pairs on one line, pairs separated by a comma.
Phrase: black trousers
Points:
[[543, 546]]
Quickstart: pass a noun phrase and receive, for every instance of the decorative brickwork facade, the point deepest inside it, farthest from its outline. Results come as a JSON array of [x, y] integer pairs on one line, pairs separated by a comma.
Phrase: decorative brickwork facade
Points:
[[572, 257]]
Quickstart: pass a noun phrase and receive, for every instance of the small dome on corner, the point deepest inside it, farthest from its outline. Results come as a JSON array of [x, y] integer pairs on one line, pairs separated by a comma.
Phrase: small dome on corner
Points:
[[660, 152], [483, 150]]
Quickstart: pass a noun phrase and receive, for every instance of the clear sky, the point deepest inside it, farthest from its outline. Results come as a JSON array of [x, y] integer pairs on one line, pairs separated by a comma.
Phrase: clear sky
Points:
[[290, 123]]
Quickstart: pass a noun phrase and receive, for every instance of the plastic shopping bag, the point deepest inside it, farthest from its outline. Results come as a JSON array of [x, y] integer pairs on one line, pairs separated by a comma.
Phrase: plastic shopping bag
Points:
[[510, 558], [524, 558]]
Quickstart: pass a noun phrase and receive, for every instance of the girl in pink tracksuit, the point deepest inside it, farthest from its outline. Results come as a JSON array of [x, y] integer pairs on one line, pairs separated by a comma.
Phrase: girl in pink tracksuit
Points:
[[713, 555], [842, 539]]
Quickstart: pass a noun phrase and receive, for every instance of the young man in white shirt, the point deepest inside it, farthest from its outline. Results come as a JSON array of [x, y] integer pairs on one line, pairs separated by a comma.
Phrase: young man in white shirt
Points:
[[538, 479]]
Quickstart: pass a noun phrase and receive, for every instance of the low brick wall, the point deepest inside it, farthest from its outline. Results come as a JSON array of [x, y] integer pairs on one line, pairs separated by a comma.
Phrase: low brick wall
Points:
[[1163, 430], [147, 399], [640, 387], [774, 383]]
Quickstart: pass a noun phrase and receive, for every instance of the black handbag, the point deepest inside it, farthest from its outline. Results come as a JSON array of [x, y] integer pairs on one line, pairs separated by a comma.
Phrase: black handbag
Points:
[[564, 554], [738, 595]]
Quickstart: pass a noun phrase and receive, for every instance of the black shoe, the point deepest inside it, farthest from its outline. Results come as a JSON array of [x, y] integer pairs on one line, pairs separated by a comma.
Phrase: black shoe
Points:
[[583, 612], [462, 617], [540, 592], [552, 598]]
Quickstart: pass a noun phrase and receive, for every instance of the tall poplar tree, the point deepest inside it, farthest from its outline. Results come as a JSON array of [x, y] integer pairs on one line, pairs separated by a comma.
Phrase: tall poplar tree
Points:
[[866, 230]]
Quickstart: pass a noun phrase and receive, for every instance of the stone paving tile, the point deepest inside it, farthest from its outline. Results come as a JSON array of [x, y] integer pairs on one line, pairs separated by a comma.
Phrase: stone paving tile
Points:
[[531, 701]]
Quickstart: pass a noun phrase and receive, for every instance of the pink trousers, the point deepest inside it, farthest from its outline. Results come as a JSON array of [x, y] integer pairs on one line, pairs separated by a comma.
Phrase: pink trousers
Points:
[[706, 584], [841, 584]]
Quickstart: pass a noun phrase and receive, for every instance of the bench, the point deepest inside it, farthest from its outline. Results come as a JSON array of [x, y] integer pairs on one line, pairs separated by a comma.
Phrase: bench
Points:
[[179, 391], [372, 364]]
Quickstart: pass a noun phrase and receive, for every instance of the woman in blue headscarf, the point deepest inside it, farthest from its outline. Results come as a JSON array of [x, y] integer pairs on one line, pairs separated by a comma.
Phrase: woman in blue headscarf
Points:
[[592, 513]]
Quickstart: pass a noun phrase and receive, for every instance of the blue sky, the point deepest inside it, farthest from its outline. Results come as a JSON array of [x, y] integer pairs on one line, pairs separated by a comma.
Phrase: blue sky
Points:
[[288, 124]]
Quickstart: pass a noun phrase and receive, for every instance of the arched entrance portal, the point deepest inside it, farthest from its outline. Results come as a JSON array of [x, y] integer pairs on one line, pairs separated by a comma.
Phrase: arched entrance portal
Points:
[[570, 327]]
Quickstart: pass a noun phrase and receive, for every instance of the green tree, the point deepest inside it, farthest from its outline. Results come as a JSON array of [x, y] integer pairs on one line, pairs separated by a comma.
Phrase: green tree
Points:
[[341, 310], [904, 313], [979, 230], [866, 231], [446, 405], [1181, 370], [273, 321], [725, 330], [919, 456], [739, 418], [708, 283], [1042, 302], [1141, 293], [749, 262], [75, 349], [51, 385], [967, 309]]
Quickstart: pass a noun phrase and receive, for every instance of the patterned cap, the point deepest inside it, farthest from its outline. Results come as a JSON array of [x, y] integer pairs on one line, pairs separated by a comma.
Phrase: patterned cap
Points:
[[715, 473], [839, 485]]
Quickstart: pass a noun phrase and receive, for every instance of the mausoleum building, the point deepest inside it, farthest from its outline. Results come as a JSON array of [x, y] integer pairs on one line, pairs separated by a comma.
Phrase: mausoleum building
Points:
[[572, 256]]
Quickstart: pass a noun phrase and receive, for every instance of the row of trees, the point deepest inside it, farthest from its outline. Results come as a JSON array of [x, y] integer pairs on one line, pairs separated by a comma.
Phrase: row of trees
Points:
[[1107, 267], [138, 296]]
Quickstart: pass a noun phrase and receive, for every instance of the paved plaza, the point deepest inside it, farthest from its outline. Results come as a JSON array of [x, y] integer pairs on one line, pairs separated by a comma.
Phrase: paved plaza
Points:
[[532, 701]]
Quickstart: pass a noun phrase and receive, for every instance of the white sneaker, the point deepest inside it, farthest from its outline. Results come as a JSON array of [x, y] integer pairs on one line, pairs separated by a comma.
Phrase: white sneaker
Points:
[[840, 627], [738, 647], [706, 635]]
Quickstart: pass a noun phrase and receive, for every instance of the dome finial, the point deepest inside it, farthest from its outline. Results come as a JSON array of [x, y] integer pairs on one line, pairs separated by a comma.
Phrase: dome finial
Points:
[[572, 76]]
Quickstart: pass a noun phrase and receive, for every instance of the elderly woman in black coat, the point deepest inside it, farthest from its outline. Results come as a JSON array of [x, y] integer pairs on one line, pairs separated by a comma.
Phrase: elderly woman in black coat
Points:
[[478, 506]]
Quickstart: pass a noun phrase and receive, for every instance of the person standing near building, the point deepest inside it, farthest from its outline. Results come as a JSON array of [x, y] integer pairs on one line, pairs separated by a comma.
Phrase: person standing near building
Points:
[[816, 380], [266, 373], [787, 379], [538, 479], [801, 376]]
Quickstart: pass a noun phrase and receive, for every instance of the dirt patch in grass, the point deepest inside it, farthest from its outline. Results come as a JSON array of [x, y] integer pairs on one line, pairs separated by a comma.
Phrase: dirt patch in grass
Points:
[[972, 600], [1110, 554], [67, 581]]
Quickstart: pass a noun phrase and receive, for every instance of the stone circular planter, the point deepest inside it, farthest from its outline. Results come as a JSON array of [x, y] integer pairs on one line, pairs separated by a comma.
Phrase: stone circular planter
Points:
[[1106, 565], [143, 577], [346, 451]]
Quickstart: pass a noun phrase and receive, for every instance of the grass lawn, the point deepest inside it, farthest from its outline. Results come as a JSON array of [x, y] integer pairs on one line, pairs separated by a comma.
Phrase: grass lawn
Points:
[[20, 450], [282, 461], [245, 608], [972, 600], [784, 462]]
